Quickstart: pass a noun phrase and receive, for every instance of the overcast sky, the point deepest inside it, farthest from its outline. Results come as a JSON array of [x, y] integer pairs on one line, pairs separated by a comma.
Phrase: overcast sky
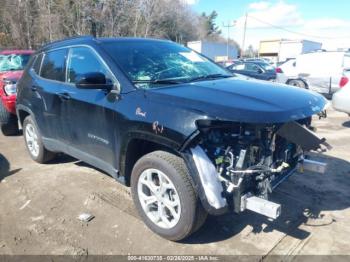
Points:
[[326, 21]]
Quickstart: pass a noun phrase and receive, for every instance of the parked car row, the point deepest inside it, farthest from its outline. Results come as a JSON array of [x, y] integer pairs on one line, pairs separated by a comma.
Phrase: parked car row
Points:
[[323, 72], [327, 73], [255, 69]]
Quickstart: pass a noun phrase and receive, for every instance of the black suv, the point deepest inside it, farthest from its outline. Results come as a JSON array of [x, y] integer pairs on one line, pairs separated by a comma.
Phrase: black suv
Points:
[[187, 136]]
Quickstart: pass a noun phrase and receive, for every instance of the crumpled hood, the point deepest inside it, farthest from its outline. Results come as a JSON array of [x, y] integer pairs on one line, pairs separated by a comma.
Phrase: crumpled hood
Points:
[[242, 101]]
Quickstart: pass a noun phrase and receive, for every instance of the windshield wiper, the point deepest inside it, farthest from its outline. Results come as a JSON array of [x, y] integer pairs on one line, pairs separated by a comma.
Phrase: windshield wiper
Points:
[[158, 81], [208, 77], [172, 81]]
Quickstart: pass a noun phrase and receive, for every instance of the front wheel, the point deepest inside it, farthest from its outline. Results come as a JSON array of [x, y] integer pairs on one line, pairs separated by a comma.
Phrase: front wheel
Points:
[[297, 83], [164, 196]]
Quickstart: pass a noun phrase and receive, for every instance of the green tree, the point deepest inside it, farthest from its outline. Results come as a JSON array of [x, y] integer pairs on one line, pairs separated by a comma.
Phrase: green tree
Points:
[[210, 27], [31, 23]]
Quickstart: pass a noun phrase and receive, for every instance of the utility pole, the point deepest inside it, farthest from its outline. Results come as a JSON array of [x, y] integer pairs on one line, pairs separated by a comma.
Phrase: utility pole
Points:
[[49, 13], [228, 26], [244, 33]]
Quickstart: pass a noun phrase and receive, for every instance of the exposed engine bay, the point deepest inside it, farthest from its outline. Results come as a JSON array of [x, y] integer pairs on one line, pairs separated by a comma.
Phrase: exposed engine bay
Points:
[[253, 159], [252, 156]]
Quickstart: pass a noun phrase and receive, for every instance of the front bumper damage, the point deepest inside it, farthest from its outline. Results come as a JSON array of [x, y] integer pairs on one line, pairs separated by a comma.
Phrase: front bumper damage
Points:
[[269, 208], [217, 198]]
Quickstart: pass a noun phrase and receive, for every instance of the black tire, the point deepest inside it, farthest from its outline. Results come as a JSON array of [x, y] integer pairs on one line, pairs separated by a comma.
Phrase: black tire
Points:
[[297, 83], [8, 122], [44, 155], [201, 217], [192, 215]]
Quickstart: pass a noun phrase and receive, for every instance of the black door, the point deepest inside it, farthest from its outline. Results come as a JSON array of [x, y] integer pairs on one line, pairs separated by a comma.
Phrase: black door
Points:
[[92, 120], [47, 87]]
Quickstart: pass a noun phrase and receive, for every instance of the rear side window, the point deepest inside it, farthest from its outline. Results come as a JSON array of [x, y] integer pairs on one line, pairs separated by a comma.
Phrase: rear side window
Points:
[[251, 67], [37, 64], [239, 67], [54, 65]]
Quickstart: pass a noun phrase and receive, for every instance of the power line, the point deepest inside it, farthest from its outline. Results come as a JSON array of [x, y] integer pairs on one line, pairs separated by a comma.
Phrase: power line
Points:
[[295, 32]]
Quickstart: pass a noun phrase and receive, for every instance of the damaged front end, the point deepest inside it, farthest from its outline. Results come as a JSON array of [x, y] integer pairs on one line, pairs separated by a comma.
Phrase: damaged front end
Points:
[[238, 165]]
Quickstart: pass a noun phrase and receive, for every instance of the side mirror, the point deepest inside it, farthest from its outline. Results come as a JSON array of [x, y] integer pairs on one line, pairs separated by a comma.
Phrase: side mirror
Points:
[[260, 71], [93, 80]]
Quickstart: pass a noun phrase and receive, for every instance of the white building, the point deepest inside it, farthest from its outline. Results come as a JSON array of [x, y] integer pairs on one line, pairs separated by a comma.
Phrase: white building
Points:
[[280, 50], [215, 51]]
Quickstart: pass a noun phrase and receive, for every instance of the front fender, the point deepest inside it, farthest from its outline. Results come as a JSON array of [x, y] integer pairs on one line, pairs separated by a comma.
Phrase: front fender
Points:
[[143, 135], [20, 107]]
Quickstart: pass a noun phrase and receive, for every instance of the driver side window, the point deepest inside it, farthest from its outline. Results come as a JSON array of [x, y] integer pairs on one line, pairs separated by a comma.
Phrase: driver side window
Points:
[[81, 61], [251, 67]]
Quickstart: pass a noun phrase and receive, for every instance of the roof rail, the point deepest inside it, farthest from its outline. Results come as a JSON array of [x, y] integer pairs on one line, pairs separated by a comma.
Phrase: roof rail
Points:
[[67, 39]]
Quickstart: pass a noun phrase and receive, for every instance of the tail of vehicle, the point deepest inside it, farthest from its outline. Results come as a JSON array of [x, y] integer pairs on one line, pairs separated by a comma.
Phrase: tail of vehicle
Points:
[[279, 70], [343, 81]]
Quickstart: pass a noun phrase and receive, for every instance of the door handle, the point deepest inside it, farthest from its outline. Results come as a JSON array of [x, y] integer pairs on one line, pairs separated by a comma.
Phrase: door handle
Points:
[[64, 96], [34, 88]]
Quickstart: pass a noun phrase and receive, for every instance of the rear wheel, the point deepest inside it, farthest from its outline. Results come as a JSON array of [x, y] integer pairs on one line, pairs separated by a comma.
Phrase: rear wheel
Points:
[[34, 143], [164, 196], [297, 83], [8, 122]]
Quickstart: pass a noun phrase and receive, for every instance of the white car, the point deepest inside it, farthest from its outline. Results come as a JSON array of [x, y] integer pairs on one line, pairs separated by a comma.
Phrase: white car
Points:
[[341, 99], [317, 71], [286, 71]]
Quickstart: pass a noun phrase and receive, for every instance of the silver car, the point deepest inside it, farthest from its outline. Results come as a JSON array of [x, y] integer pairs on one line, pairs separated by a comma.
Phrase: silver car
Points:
[[341, 99]]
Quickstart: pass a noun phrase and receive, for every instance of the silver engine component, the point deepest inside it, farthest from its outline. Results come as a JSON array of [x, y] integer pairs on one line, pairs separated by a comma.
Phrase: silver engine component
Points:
[[313, 166], [261, 206], [209, 178]]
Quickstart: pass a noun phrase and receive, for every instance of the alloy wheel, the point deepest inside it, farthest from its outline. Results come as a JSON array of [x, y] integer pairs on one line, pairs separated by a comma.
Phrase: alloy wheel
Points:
[[32, 140], [159, 199]]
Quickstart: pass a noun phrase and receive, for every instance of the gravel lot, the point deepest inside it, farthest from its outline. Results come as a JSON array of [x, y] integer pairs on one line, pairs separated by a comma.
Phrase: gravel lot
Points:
[[39, 205]]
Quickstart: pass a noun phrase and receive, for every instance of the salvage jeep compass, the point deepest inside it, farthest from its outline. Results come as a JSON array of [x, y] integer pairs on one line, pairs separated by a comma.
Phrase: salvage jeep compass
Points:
[[185, 134]]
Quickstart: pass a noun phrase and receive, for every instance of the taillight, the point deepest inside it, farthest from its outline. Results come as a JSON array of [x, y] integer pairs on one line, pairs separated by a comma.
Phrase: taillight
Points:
[[343, 81], [279, 70], [10, 87]]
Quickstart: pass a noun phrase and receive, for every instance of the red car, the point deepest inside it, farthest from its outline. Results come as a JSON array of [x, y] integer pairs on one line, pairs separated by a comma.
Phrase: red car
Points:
[[12, 63]]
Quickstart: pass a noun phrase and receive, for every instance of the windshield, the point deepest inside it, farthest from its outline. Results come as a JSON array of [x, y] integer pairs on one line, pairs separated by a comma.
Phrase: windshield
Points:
[[13, 62], [151, 63]]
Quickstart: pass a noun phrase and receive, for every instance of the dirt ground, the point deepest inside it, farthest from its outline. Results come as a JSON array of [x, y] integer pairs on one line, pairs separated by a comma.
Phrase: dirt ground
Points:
[[39, 205]]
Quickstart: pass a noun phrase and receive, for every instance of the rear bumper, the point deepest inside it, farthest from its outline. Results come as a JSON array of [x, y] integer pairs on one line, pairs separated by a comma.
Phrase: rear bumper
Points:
[[341, 102]]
